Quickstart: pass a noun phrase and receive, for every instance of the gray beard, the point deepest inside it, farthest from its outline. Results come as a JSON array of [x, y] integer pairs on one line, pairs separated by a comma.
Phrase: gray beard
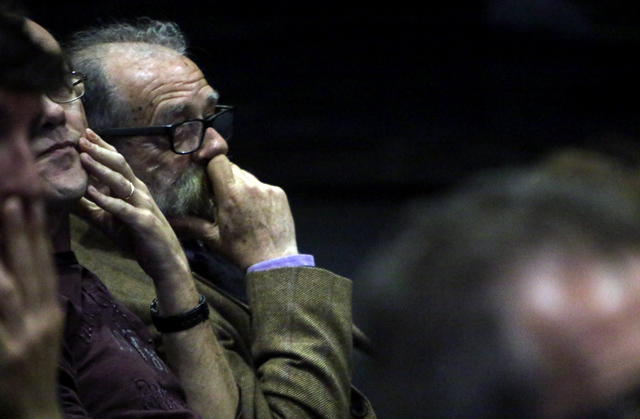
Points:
[[191, 194]]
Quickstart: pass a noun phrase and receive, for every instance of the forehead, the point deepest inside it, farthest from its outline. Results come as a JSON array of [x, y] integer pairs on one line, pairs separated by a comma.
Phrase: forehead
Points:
[[157, 81], [42, 36]]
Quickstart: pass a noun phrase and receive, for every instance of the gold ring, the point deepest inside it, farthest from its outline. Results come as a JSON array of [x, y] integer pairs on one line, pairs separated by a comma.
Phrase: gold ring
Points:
[[133, 189]]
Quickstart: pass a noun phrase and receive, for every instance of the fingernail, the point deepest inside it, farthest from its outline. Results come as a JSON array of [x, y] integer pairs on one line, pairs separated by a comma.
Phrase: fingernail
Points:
[[87, 157]]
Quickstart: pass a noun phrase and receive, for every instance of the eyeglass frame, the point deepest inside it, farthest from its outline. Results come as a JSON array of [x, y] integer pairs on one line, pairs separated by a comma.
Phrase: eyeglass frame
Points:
[[82, 78], [167, 130]]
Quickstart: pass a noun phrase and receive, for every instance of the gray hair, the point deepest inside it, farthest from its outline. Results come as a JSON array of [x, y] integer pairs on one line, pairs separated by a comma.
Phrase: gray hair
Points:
[[88, 48]]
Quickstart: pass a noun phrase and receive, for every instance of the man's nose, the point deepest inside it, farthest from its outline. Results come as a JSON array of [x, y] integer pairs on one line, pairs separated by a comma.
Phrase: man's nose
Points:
[[212, 145], [53, 114]]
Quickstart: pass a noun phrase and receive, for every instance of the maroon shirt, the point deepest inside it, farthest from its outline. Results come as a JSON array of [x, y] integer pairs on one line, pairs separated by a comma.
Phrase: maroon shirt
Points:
[[110, 368]]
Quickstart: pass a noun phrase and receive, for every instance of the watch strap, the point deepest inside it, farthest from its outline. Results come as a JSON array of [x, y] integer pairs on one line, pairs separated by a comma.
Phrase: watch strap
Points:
[[172, 324]]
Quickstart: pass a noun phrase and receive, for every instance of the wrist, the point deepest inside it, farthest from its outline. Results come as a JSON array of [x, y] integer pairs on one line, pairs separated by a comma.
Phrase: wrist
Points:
[[167, 271]]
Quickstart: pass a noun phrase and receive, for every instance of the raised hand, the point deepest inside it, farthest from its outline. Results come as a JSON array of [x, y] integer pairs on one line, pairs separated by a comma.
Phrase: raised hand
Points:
[[31, 318], [128, 213], [124, 210], [253, 219]]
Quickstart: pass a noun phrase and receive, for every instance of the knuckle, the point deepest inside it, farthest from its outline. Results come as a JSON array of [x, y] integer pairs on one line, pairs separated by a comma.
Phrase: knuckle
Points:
[[42, 329], [14, 353], [231, 200], [8, 290], [142, 187], [279, 192], [119, 160], [148, 219]]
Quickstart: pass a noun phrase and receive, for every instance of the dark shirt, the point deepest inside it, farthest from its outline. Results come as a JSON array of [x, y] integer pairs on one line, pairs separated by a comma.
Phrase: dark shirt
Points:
[[109, 367]]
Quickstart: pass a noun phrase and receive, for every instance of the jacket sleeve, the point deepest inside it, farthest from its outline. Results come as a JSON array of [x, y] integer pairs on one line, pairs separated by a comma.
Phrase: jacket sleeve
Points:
[[302, 341]]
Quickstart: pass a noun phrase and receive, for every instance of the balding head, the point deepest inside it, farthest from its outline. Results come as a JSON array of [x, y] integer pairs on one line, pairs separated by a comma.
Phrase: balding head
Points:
[[42, 37]]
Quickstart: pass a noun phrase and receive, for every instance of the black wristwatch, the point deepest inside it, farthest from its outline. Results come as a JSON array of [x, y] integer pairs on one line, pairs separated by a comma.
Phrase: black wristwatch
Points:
[[172, 324]]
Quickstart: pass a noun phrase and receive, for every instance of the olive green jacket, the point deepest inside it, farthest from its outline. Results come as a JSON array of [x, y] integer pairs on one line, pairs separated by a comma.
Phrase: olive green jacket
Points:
[[290, 352]]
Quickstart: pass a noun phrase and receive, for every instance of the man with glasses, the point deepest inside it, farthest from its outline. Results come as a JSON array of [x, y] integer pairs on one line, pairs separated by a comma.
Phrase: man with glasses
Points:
[[287, 330], [31, 320], [110, 366]]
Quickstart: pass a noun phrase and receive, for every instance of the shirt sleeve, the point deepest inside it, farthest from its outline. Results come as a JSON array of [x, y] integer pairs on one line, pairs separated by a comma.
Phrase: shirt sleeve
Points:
[[293, 261]]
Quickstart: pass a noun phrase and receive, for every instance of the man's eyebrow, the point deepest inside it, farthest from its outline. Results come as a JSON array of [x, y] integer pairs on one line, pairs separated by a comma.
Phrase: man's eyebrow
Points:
[[185, 109], [182, 109]]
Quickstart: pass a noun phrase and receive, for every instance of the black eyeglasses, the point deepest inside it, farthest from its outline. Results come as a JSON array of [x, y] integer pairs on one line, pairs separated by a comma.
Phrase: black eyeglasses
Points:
[[185, 137], [71, 90]]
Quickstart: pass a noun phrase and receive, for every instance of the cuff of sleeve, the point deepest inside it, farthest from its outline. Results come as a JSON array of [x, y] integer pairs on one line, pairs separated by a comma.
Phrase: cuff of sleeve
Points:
[[292, 261]]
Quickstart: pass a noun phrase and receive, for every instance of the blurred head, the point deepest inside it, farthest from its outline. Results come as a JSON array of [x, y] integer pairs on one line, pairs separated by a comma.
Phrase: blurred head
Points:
[[26, 72], [141, 77], [514, 296], [55, 146]]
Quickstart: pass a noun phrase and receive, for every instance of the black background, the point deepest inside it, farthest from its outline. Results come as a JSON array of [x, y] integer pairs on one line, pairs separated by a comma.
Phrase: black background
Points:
[[353, 108]]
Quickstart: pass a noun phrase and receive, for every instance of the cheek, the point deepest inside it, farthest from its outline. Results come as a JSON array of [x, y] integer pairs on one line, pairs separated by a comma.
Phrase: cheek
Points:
[[76, 119], [63, 169], [543, 298], [543, 311], [154, 166]]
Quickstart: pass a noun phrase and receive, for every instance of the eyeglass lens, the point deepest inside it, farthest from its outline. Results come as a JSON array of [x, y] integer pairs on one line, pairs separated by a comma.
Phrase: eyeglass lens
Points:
[[72, 89], [188, 135]]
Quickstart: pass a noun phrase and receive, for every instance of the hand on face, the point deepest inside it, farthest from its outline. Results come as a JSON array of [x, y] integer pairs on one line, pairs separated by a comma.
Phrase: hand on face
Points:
[[253, 219], [124, 210], [31, 319]]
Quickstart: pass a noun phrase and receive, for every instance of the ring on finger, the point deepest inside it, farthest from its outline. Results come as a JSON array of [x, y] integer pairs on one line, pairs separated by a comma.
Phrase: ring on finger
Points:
[[133, 189]]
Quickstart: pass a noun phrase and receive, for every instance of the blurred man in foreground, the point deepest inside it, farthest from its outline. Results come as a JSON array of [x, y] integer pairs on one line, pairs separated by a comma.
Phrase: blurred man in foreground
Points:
[[31, 320], [515, 296]]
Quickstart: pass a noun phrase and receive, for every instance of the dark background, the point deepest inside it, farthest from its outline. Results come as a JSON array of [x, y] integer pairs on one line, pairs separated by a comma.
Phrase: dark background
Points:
[[354, 108]]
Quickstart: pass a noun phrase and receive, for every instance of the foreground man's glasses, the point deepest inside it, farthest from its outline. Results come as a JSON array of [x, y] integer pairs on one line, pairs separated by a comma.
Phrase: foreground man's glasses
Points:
[[72, 89]]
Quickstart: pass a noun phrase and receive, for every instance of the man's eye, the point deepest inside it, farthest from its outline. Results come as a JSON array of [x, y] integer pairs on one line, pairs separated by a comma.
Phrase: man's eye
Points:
[[66, 88]]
